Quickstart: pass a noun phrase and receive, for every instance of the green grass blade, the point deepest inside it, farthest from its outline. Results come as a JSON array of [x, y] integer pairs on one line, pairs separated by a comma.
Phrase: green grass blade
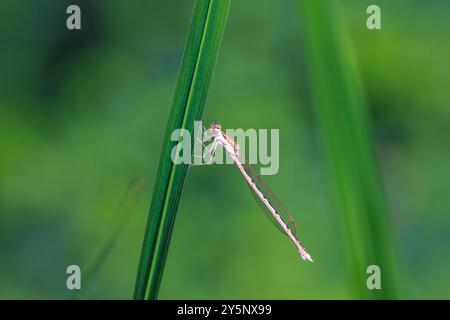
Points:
[[344, 124], [200, 54]]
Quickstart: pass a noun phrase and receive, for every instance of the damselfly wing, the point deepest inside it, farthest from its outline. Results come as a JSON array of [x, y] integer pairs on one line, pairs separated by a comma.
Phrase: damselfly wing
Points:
[[273, 200]]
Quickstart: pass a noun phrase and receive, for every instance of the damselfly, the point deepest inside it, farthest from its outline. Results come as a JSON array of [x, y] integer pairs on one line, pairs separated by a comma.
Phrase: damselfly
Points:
[[263, 195]]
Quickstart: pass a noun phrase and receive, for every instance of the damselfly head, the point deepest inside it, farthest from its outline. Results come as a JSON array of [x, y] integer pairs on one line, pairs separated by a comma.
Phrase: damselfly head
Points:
[[216, 126], [216, 129]]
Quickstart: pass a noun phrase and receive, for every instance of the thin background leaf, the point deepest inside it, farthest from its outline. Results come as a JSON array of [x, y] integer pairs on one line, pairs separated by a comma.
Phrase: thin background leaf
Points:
[[99, 256], [343, 121]]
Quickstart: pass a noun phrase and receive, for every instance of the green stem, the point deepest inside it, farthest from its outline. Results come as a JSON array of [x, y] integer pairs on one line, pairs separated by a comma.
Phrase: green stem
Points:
[[200, 55]]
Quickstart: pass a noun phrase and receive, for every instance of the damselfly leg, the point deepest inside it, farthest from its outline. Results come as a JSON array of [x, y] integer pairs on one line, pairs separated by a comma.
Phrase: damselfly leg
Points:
[[210, 150]]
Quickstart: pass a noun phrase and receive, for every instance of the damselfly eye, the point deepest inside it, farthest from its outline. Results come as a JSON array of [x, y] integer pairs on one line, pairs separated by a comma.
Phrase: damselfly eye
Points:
[[216, 126]]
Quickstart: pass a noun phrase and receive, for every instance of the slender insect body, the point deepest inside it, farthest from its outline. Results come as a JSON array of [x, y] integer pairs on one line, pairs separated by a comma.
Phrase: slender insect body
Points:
[[232, 148]]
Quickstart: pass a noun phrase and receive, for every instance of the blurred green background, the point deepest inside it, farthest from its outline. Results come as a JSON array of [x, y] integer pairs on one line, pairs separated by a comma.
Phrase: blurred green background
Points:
[[82, 114]]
